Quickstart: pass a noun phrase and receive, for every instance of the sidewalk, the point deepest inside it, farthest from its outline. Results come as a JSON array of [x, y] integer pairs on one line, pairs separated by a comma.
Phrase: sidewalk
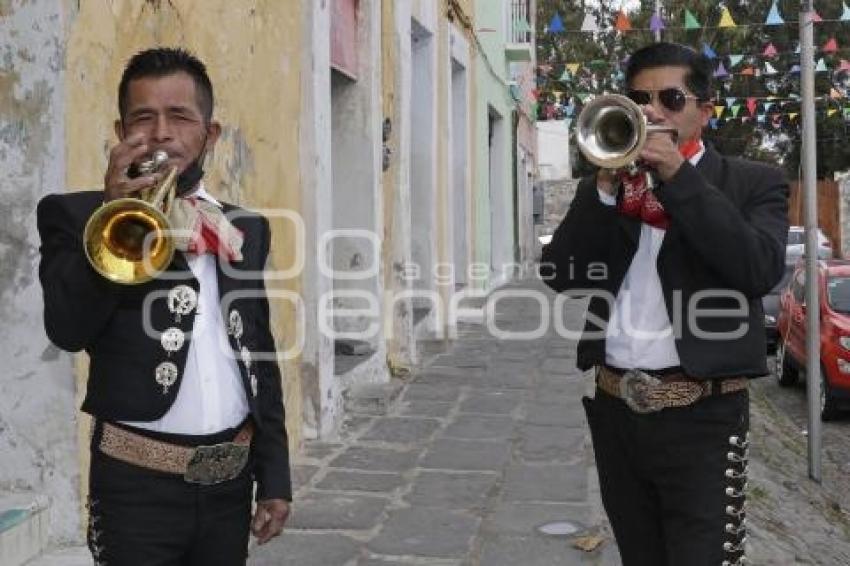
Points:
[[485, 444]]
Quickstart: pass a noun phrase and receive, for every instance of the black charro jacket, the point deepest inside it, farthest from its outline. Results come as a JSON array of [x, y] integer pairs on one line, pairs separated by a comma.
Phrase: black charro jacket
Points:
[[84, 311], [727, 233]]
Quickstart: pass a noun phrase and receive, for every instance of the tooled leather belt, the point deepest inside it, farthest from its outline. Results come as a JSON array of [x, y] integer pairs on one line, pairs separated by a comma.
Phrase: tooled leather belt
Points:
[[645, 393], [206, 465]]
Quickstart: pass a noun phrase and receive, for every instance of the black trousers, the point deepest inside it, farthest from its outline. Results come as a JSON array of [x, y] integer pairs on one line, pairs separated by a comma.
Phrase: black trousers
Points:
[[139, 517], [663, 478]]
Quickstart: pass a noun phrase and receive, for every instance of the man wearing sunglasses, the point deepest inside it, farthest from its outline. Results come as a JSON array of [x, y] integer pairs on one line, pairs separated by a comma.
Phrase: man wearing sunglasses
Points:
[[674, 331]]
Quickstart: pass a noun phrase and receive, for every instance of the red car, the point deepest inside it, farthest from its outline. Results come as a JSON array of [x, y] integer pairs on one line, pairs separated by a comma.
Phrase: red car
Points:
[[834, 292]]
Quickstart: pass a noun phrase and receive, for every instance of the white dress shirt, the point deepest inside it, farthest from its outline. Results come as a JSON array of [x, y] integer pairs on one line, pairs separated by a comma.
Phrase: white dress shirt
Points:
[[639, 333], [211, 397]]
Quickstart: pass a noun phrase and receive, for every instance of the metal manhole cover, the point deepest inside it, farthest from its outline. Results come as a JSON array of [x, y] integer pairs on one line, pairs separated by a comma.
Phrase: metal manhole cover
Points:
[[559, 528]]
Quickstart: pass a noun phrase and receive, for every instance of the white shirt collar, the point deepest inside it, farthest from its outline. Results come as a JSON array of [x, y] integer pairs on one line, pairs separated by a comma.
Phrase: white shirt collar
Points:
[[201, 192], [698, 155]]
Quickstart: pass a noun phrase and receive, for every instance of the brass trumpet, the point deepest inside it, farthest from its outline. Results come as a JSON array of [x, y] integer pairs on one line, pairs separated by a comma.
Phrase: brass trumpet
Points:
[[611, 130], [128, 240]]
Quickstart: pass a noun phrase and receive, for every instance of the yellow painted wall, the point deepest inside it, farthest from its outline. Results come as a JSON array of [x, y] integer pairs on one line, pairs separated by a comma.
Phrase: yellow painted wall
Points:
[[252, 49]]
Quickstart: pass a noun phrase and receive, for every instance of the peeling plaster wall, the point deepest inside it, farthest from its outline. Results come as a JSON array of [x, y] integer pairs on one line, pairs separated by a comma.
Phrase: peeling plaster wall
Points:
[[38, 450]]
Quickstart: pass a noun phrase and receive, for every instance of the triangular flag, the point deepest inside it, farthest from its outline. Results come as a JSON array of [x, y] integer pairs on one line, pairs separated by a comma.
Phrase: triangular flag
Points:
[[795, 69], [573, 67], [831, 46], [583, 96], [845, 65], [713, 123], [622, 24], [821, 66], [726, 20], [768, 69], [816, 17], [735, 59], [831, 111], [793, 115], [769, 51], [556, 25], [773, 18], [708, 51], [721, 71], [747, 71], [845, 15], [834, 93], [566, 76], [730, 101], [718, 111], [589, 23], [690, 21], [656, 24], [735, 110], [768, 106], [752, 103]]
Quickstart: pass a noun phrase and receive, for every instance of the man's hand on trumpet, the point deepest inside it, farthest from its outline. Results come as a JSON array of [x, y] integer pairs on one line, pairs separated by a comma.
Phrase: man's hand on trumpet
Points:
[[660, 152], [116, 182]]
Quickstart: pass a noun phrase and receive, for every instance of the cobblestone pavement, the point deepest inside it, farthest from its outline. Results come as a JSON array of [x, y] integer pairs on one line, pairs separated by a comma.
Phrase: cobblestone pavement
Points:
[[483, 445]]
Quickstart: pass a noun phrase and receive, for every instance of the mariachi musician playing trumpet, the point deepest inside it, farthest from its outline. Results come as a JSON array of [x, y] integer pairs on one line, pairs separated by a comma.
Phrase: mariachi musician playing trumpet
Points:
[[675, 270], [164, 296]]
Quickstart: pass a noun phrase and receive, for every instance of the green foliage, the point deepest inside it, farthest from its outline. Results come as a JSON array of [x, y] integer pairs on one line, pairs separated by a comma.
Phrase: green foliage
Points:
[[778, 138]]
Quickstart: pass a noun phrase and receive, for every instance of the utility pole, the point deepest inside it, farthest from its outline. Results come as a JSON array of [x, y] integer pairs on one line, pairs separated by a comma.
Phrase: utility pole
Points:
[[809, 188], [658, 16]]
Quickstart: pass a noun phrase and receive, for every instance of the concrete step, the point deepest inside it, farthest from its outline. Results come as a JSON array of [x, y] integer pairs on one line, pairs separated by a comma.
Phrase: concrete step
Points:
[[70, 556], [23, 527]]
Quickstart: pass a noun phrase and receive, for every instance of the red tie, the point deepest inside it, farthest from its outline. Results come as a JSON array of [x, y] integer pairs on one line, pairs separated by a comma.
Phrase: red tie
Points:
[[640, 202]]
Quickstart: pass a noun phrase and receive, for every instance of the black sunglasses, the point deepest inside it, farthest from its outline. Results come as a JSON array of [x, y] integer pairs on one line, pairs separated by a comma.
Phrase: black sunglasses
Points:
[[673, 99]]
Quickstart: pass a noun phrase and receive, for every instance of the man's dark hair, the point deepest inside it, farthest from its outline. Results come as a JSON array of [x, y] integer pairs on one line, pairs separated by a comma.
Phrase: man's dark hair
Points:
[[164, 61], [663, 54]]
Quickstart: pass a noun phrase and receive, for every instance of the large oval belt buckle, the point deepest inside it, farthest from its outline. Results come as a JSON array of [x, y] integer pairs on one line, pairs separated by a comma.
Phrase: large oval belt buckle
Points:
[[635, 386]]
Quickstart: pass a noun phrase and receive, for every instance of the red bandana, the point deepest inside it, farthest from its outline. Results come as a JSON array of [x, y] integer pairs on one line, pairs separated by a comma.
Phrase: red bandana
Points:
[[201, 227], [640, 202]]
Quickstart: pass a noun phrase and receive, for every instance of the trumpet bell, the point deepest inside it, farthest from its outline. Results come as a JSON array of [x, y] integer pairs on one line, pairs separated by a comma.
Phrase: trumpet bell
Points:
[[611, 131], [127, 241]]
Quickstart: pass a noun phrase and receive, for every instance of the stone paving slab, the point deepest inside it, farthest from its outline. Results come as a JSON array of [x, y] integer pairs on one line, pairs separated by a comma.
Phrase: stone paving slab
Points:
[[491, 402], [377, 459], [551, 443], [554, 414], [347, 480], [452, 454], [295, 548], [401, 429], [546, 482], [431, 392], [435, 409], [452, 490], [324, 510], [426, 532], [480, 427]]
